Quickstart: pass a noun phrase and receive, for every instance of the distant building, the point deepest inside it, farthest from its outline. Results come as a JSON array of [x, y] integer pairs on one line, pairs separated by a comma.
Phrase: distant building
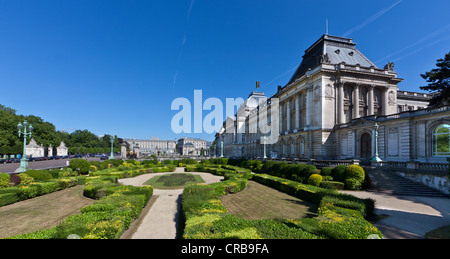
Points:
[[193, 147], [153, 146], [34, 150]]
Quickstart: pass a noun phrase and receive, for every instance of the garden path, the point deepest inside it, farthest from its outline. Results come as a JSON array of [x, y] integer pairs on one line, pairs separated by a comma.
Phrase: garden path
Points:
[[161, 220]]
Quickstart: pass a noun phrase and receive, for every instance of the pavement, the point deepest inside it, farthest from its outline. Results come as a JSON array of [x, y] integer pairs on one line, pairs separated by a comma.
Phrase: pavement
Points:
[[407, 217], [404, 217]]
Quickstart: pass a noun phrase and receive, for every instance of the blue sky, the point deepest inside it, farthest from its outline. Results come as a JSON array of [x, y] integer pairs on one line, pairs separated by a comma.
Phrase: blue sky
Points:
[[114, 67]]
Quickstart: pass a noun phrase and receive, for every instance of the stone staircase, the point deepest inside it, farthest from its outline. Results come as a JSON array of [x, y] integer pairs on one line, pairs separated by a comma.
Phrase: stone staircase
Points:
[[390, 183]]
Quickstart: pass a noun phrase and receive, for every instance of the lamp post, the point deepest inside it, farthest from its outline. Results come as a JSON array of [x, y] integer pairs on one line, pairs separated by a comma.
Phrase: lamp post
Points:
[[376, 159], [112, 147], [23, 161], [264, 143]]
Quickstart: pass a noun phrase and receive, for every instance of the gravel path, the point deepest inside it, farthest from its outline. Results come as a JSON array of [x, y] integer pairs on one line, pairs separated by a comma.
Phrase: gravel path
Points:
[[161, 220]]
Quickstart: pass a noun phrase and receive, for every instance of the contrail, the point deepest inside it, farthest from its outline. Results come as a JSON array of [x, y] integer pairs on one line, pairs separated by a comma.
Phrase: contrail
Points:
[[183, 41], [426, 38], [190, 9], [424, 47], [281, 75], [371, 19]]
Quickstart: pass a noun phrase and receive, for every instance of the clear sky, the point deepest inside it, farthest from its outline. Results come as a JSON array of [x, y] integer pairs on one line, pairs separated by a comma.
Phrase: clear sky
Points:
[[115, 66]]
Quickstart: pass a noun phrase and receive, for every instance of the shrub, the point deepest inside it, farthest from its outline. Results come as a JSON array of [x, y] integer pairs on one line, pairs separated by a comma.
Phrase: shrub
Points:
[[326, 171], [309, 170], [25, 179], [4, 180], [355, 172], [278, 168], [338, 173], [80, 165], [354, 177], [332, 185], [315, 179], [267, 167], [39, 175], [254, 165], [352, 184], [168, 162]]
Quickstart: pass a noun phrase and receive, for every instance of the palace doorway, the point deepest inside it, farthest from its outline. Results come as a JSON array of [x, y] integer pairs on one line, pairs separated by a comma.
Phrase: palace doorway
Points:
[[366, 146]]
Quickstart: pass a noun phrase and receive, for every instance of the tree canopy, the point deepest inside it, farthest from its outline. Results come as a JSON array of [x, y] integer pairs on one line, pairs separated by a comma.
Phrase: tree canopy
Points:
[[439, 82], [45, 133]]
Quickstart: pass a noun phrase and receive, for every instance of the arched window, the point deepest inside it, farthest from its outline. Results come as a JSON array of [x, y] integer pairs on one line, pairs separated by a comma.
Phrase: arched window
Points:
[[441, 140], [302, 147]]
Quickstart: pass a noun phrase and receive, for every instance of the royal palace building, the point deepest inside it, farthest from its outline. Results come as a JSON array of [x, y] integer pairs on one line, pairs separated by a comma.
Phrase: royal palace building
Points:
[[340, 105]]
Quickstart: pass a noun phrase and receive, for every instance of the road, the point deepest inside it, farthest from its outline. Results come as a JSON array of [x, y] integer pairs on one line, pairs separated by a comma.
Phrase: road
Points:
[[47, 164]]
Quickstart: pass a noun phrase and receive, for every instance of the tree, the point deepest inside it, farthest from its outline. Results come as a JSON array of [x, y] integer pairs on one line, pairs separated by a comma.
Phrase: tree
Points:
[[439, 82]]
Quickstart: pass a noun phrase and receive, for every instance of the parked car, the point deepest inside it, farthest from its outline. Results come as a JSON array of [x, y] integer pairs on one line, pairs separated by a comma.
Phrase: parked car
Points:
[[103, 157]]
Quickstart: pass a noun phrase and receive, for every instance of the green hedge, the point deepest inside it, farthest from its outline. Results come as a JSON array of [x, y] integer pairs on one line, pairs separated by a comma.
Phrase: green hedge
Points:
[[4, 180], [26, 191]]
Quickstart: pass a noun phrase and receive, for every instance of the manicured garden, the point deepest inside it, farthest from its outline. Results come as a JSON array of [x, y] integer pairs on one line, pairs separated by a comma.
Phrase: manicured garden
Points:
[[340, 216], [330, 213], [115, 206]]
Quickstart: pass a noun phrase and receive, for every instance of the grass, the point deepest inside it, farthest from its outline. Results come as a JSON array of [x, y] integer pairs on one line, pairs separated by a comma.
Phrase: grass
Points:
[[173, 181], [41, 212], [258, 201]]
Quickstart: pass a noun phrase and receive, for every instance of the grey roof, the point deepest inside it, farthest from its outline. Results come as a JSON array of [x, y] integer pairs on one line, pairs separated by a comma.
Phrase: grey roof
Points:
[[332, 50]]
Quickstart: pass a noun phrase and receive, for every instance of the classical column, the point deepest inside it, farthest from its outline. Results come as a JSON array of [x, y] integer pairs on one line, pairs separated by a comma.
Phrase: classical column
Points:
[[281, 117], [370, 103], [297, 111], [385, 100], [356, 102], [308, 108], [340, 99], [288, 111]]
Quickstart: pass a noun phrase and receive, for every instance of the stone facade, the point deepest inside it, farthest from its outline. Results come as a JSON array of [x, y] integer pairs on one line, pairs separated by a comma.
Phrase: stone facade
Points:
[[329, 108], [192, 147], [62, 150], [154, 146], [34, 150]]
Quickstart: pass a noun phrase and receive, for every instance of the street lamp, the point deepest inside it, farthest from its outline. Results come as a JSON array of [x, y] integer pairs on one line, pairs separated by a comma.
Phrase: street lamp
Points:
[[23, 161], [112, 147], [376, 158], [264, 143]]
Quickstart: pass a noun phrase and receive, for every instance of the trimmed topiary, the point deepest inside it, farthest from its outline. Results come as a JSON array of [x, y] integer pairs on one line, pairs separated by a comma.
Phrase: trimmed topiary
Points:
[[354, 177], [315, 179]]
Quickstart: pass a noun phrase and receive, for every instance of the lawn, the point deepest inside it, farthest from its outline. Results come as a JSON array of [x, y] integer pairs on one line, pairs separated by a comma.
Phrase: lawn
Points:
[[173, 181], [258, 201], [41, 212]]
